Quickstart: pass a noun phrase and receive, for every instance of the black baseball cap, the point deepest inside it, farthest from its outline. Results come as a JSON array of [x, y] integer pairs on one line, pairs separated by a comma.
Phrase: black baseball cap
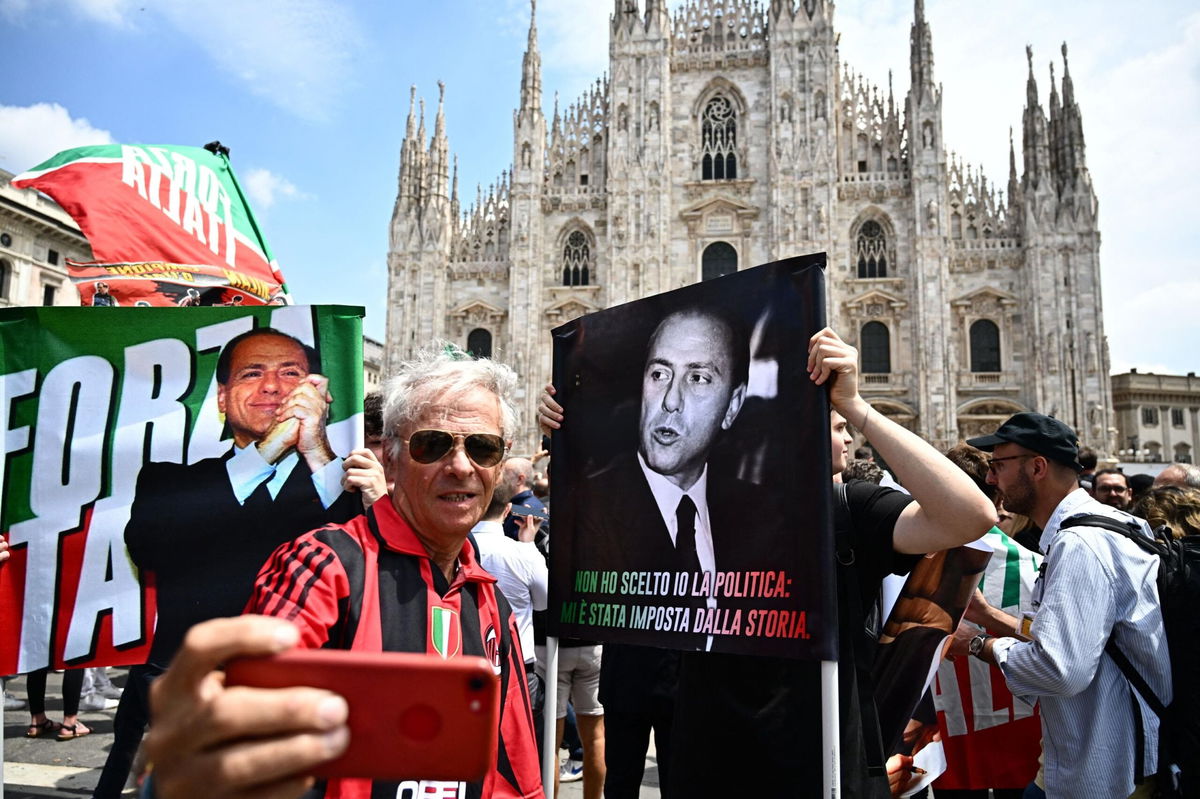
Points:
[[1043, 434]]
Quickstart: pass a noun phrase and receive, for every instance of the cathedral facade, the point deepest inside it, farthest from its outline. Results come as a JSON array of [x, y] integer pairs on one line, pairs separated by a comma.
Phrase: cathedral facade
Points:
[[729, 135]]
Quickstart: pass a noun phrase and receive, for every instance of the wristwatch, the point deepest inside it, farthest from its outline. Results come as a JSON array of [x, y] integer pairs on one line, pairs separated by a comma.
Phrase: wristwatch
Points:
[[976, 645]]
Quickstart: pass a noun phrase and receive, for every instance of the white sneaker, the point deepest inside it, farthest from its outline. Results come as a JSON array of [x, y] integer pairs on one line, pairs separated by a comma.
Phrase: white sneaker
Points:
[[95, 702], [13, 703], [571, 770]]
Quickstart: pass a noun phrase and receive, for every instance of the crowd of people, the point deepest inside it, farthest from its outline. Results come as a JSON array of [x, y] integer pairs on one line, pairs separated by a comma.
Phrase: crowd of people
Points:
[[434, 520]]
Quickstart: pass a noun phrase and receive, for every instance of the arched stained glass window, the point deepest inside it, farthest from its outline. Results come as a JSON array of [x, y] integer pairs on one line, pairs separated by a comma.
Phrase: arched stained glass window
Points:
[[577, 257], [718, 140], [870, 250]]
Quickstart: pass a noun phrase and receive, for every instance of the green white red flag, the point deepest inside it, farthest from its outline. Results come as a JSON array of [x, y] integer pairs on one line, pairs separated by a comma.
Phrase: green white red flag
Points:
[[178, 208]]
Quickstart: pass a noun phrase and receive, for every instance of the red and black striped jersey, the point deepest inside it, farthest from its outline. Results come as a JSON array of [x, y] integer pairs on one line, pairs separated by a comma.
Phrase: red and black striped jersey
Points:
[[369, 585]]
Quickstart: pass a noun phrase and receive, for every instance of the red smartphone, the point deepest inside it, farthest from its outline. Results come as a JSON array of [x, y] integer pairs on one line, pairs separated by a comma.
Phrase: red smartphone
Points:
[[411, 716]]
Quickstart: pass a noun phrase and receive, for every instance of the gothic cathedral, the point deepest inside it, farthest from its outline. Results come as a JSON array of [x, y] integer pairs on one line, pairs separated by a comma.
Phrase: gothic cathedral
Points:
[[729, 135]]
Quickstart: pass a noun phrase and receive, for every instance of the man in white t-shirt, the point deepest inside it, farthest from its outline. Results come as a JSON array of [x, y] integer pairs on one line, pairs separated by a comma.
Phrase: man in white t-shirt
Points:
[[520, 571]]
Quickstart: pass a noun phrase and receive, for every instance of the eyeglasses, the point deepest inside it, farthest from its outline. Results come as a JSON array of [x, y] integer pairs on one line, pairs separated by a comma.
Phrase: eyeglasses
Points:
[[430, 446], [992, 463]]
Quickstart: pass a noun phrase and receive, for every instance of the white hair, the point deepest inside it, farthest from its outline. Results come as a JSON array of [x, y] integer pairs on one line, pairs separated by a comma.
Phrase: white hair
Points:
[[435, 373]]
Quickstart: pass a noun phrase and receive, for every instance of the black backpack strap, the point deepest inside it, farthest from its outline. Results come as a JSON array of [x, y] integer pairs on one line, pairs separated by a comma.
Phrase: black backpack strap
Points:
[[1131, 530], [1135, 678], [861, 654]]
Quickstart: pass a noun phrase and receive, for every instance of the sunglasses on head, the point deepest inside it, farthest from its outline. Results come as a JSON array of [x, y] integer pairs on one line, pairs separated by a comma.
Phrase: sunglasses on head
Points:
[[430, 446]]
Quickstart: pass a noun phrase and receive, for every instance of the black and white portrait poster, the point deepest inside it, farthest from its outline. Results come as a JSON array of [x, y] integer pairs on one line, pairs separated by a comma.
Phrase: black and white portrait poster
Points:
[[691, 477]]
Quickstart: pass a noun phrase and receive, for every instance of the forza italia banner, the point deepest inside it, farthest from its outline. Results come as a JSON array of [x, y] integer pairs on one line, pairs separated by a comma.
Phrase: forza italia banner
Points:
[[138, 203], [90, 398]]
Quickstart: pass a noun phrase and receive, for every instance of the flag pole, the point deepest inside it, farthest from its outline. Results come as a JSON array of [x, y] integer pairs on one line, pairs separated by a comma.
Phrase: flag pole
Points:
[[831, 759], [550, 717]]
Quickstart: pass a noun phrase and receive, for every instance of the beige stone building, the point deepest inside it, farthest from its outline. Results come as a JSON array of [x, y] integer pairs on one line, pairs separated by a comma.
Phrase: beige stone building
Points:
[[36, 239], [730, 134], [1157, 417]]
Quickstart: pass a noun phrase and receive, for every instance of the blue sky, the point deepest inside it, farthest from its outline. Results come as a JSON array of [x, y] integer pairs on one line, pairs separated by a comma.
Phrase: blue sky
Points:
[[312, 96]]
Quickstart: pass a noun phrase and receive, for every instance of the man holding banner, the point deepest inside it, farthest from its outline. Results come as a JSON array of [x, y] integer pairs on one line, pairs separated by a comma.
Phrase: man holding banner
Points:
[[446, 422], [280, 479]]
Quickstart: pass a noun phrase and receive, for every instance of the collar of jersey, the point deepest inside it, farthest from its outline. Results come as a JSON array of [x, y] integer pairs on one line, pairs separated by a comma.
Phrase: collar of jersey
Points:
[[398, 536]]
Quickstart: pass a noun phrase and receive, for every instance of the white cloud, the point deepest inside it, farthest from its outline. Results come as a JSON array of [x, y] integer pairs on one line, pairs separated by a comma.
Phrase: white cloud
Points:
[[111, 12], [31, 134], [13, 10], [296, 54], [265, 187]]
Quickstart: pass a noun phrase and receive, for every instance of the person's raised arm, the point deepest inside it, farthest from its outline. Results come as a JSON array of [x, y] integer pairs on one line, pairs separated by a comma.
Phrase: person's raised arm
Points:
[[949, 509], [211, 741]]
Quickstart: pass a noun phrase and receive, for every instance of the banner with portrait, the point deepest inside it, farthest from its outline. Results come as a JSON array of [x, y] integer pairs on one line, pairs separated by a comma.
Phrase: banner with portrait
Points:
[[691, 479], [89, 399]]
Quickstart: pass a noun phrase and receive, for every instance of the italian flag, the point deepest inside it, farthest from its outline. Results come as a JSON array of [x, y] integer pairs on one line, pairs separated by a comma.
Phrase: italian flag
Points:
[[139, 203]]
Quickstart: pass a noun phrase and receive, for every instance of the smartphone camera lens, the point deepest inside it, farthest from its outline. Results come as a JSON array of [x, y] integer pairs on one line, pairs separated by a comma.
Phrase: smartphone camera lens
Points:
[[476, 684]]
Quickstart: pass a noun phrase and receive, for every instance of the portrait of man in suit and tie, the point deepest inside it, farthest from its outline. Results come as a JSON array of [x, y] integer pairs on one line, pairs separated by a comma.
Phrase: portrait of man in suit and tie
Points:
[[695, 468], [661, 507], [693, 386]]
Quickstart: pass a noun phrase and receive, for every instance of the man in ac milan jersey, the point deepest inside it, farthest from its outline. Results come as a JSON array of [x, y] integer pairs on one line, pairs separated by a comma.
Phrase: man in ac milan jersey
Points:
[[401, 578]]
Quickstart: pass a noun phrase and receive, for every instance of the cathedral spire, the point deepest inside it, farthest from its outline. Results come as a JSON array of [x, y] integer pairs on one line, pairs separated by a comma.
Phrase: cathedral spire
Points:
[[1033, 137], [1068, 97], [439, 125], [439, 149], [531, 69], [421, 127], [1014, 187], [1055, 132], [921, 54], [1073, 119], [410, 128], [1031, 90], [891, 98]]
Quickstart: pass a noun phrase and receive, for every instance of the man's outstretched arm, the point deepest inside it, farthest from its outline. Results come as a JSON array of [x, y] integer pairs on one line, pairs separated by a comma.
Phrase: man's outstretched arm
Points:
[[949, 509], [211, 741]]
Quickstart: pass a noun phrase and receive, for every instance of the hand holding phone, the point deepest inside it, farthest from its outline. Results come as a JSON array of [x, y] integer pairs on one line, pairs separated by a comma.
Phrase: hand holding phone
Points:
[[411, 716]]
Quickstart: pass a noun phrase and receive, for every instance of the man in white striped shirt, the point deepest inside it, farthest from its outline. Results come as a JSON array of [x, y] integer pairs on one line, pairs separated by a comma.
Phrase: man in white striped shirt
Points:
[[1100, 737]]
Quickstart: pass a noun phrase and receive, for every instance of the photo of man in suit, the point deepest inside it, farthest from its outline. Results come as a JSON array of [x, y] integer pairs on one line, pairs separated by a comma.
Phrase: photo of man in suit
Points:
[[203, 530], [693, 385], [660, 508]]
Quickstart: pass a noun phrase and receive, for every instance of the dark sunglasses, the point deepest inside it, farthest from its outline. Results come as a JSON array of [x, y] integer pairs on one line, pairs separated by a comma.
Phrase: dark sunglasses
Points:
[[430, 446]]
